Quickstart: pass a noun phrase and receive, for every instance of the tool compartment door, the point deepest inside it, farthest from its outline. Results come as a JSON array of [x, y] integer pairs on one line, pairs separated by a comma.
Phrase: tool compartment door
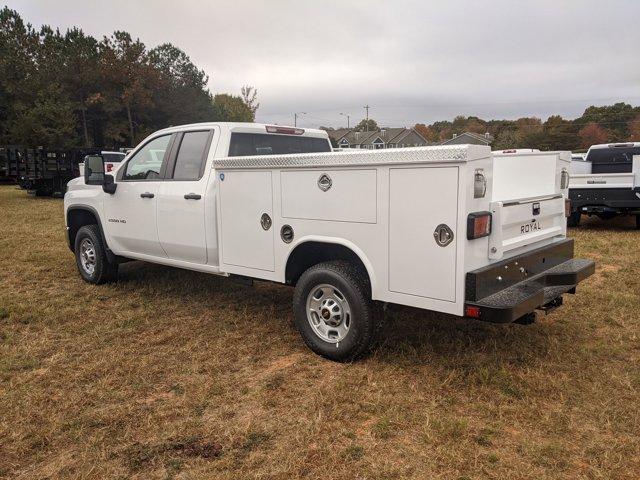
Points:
[[245, 196], [421, 199]]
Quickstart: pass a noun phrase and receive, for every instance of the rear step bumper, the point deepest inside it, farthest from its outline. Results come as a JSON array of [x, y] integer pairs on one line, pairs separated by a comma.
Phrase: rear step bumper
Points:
[[598, 199], [506, 291]]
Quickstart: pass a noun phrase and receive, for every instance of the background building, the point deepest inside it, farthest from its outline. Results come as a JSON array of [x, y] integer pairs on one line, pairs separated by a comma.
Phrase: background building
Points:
[[469, 137], [377, 139]]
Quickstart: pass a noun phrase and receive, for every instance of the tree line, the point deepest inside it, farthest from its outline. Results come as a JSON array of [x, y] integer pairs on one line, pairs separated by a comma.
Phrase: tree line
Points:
[[64, 90], [605, 124]]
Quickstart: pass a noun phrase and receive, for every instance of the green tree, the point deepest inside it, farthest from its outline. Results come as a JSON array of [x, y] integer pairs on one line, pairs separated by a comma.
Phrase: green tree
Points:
[[49, 122], [507, 138], [250, 97], [528, 125], [131, 82], [557, 134], [231, 108], [366, 126], [116, 90], [18, 90], [634, 129], [475, 125], [615, 118], [181, 95], [81, 78]]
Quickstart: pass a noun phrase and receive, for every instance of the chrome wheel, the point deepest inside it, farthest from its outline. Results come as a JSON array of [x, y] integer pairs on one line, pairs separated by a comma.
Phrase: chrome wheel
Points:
[[328, 313], [88, 256]]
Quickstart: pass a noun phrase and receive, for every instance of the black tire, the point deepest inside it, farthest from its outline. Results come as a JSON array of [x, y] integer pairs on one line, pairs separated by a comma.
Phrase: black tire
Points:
[[103, 271], [637, 222], [574, 219], [363, 320]]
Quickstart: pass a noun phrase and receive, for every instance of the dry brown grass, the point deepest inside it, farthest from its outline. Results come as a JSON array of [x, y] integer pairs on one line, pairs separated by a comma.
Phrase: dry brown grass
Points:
[[175, 374]]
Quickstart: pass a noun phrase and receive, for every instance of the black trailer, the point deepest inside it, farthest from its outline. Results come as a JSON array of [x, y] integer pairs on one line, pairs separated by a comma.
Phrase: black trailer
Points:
[[9, 163], [39, 170], [4, 167]]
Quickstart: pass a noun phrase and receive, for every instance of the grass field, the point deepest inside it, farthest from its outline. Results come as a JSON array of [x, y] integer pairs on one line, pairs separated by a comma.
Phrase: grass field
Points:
[[175, 374]]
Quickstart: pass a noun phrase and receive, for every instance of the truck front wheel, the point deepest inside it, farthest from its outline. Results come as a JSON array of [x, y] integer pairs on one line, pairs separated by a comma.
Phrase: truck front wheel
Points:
[[334, 312], [91, 257]]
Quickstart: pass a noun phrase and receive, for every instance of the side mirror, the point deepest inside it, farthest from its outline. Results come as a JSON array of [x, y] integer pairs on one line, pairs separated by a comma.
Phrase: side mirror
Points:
[[94, 174], [109, 186], [93, 170]]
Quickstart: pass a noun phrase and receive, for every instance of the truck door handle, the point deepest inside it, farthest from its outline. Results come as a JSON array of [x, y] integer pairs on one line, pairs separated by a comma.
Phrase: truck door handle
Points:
[[147, 195], [192, 196]]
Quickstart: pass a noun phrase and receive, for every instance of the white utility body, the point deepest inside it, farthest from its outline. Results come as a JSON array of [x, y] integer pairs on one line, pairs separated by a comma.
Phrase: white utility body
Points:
[[453, 229]]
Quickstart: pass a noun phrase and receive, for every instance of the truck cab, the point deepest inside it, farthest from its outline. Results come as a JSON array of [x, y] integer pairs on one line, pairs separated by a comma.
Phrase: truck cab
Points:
[[452, 229]]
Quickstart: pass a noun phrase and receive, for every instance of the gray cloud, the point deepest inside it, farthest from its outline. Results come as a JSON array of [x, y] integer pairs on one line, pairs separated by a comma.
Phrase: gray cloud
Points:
[[412, 61]]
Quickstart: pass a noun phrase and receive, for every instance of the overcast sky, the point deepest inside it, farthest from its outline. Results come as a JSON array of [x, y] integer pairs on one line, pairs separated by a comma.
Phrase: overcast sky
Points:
[[411, 61]]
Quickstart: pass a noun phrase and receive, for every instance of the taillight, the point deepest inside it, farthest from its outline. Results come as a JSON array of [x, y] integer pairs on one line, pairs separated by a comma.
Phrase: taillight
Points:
[[478, 225], [109, 167], [472, 311], [285, 130], [567, 207]]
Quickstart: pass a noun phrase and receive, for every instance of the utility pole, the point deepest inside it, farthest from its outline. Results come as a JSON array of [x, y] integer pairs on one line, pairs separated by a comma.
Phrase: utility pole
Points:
[[366, 107], [295, 117], [348, 123]]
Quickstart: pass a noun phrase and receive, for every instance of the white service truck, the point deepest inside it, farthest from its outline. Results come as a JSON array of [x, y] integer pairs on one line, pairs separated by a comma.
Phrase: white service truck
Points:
[[450, 228], [606, 183]]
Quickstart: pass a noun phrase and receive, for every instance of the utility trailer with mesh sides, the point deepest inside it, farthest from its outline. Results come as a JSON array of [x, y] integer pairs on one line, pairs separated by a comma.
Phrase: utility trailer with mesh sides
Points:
[[453, 229], [607, 183], [4, 166], [10, 157], [39, 170]]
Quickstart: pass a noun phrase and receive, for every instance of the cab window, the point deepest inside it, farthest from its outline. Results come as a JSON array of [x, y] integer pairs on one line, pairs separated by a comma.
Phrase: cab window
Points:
[[147, 162], [192, 155], [250, 144]]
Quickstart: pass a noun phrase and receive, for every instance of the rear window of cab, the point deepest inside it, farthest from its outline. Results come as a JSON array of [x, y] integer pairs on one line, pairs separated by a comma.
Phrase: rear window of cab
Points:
[[251, 144]]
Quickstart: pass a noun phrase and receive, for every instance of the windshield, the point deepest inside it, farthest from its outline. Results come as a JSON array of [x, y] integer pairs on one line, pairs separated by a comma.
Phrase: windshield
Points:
[[250, 144]]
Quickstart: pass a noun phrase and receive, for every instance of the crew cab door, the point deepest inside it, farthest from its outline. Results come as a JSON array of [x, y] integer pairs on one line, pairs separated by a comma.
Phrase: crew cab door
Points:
[[131, 222], [182, 202]]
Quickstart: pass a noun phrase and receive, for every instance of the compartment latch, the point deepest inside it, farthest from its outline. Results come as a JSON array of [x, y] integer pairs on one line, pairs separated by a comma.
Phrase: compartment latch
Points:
[[443, 235]]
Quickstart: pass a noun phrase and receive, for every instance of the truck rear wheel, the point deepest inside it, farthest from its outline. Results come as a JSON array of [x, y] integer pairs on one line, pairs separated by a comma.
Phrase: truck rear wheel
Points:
[[573, 220], [334, 312], [91, 257]]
